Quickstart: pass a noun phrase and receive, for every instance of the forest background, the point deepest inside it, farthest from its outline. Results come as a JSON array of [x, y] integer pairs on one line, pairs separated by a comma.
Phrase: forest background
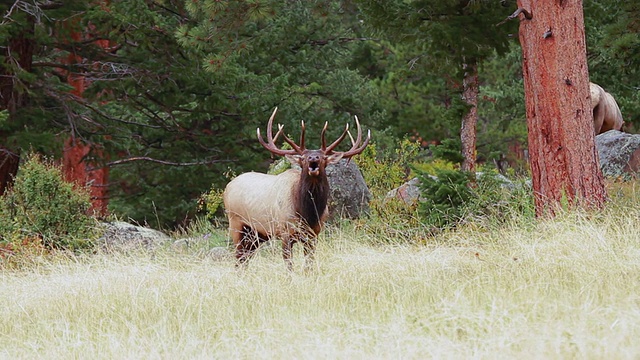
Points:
[[173, 91]]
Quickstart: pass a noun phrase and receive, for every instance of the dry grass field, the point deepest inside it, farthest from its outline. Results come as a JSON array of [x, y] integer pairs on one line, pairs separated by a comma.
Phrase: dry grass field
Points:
[[566, 288]]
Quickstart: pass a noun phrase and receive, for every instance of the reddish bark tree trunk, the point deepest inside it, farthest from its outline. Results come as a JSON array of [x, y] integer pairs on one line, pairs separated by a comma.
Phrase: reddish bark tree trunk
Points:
[[8, 168], [18, 54], [74, 164], [470, 119], [77, 169], [562, 152]]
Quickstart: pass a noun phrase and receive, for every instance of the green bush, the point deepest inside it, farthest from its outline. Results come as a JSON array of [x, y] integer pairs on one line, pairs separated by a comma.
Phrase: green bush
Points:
[[451, 198], [444, 196], [383, 172], [497, 199], [211, 203], [43, 206], [390, 219]]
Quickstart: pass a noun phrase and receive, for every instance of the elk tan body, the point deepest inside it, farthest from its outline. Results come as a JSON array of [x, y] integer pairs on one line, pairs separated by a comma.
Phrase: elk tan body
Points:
[[606, 113], [291, 206], [246, 198]]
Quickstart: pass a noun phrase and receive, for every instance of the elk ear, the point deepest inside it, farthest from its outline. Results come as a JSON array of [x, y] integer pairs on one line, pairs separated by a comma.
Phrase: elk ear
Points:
[[334, 158], [295, 159]]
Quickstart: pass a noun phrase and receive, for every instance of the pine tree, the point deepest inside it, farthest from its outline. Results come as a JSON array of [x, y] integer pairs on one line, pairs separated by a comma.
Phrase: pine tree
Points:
[[25, 57], [174, 98], [458, 35], [562, 152]]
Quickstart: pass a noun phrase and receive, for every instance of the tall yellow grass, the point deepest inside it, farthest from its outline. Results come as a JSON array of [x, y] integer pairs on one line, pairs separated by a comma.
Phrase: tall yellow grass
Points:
[[567, 288]]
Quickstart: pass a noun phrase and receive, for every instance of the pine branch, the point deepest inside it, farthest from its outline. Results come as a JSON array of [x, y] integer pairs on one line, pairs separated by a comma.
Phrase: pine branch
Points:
[[49, 5], [163, 162]]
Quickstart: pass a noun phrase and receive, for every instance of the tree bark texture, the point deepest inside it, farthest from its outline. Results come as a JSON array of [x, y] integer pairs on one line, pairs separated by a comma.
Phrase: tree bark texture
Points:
[[18, 54], [77, 169], [470, 119], [74, 164], [8, 168], [563, 157]]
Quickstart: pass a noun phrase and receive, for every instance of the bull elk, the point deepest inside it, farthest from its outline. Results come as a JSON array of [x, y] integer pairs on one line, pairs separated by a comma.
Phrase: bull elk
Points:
[[606, 113], [291, 206]]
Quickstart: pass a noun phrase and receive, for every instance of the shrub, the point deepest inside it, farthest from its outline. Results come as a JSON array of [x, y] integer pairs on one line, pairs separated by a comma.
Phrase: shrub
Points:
[[41, 205], [451, 196], [496, 199], [391, 219], [384, 172], [211, 203], [444, 196], [450, 200]]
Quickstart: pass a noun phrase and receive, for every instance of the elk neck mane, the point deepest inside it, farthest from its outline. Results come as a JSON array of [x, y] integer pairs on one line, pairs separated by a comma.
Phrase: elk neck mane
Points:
[[311, 198]]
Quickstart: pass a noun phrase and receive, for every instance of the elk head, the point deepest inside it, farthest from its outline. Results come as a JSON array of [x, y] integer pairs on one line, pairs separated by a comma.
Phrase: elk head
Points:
[[313, 162]]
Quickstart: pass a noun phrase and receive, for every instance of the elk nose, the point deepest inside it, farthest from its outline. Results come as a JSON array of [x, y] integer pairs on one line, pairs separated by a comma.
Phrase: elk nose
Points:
[[314, 158]]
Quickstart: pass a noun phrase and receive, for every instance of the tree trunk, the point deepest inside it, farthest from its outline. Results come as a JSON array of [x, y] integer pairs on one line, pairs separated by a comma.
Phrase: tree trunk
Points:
[[562, 152], [74, 164], [470, 119], [76, 168], [8, 168], [18, 56]]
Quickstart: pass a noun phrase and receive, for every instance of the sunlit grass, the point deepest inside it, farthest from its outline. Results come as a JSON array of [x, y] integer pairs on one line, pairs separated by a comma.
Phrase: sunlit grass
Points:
[[566, 288]]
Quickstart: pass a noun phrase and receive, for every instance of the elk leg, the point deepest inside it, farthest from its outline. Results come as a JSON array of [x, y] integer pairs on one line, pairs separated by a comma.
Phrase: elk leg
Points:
[[598, 119], [237, 232], [309, 253], [287, 245], [249, 242]]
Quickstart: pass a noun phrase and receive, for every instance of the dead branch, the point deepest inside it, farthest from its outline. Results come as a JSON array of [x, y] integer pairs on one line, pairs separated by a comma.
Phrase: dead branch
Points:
[[163, 162], [34, 9], [527, 15]]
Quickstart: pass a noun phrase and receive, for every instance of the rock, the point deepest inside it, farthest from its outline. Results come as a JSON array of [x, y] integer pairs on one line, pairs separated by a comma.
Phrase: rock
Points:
[[221, 253], [504, 181], [619, 153], [350, 195], [119, 235], [408, 192], [194, 245]]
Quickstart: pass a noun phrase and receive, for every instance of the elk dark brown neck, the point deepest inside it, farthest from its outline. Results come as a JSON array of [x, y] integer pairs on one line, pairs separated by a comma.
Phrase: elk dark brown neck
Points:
[[311, 199]]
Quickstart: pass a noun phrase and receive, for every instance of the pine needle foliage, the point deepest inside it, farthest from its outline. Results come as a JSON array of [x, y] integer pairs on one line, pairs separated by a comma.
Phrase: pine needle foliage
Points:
[[451, 197], [41, 206]]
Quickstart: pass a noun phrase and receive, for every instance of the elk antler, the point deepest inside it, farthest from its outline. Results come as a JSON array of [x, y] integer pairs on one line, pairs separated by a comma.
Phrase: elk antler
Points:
[[356, 146], [270, 144], [327, 150]]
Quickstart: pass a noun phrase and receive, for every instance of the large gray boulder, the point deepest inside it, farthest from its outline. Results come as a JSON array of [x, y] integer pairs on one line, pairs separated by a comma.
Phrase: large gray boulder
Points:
[[122, 236], [619, 153], [350, 195]]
